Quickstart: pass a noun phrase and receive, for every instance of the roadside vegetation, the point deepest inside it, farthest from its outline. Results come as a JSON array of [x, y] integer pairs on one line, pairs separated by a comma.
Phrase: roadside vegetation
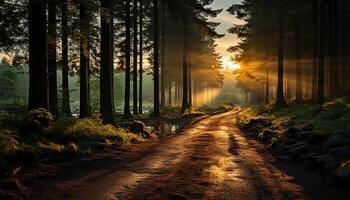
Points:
[[316, 134]]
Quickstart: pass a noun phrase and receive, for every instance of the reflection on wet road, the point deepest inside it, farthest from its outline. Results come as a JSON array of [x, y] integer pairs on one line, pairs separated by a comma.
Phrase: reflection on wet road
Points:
[[211, 159]]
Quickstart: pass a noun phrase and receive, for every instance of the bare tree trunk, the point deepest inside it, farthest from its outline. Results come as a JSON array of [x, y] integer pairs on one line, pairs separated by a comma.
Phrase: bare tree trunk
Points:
[[65, 80], [127, 113], [184, 57], [320, 86], [315, 50], [298, 86], [52, 53], [106, 81], [162, 49], [141, 57], [38, 58], [156, 58], [84, 61], [280, 97], [135, 13]]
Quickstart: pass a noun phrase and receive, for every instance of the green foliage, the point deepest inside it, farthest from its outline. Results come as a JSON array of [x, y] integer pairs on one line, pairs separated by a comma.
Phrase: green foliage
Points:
[[8, 143], [68, 130]]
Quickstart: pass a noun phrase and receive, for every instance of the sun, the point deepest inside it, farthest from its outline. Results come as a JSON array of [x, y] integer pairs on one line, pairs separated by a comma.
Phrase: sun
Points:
[[228, 64]]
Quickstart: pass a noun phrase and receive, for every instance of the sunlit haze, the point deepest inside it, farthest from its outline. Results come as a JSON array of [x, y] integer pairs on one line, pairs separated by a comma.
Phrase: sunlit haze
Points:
[[228, 40]]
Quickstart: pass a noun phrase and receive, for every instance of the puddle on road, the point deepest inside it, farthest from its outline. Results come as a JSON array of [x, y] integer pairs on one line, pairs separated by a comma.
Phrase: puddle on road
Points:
[[165, 129]]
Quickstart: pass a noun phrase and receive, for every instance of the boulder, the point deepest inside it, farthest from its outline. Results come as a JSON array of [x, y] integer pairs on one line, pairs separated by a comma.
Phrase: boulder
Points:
[[292, 130], [301, 135], [260, 121], [342, 174], [317, 138], [31, 127], [266, 135], [340, 152], [72, 150], [307, 127], [139, 127]]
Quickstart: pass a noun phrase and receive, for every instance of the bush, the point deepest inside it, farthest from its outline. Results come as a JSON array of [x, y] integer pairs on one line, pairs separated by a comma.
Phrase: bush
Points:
[[8, 143], [90, 130], [36, 121]]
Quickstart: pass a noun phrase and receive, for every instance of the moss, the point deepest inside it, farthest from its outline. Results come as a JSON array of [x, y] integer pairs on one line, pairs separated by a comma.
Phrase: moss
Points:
[[8, 143]]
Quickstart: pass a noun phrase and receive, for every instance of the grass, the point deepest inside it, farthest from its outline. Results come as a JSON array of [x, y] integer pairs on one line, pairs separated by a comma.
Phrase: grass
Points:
[[332, 118], [62, 139]]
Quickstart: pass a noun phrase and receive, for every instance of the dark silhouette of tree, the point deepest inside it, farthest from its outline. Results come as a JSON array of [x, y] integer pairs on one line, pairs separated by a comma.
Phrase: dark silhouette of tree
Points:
[[280, 97], [84, 59], [127, 113], [320, 85], [141, 57], [64, 64], [38, 57], [156, 58], [107, 69], [135, 53]]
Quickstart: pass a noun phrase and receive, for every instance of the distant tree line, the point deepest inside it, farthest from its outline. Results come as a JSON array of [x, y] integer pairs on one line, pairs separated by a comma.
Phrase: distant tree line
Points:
[[95, 38], [293, 50]]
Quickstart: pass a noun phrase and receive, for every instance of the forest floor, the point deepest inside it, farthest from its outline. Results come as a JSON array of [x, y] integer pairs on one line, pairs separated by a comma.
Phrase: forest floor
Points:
[[210, 159]]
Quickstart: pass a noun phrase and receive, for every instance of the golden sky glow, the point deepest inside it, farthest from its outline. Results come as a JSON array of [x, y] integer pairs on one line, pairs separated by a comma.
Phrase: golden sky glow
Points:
[[226, 21]]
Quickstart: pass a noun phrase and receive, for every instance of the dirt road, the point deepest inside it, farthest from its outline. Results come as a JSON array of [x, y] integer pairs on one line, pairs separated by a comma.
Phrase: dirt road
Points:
[[210, 159]]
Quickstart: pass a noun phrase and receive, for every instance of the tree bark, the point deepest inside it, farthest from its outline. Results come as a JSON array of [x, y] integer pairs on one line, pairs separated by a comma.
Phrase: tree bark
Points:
[[141, 56], [127, 113], [315, 13], [156, 58], [320, 85], [106, 81], [334, 89], [162, 49], [65, 80], [38, 57], [52, 53], [184, 62], [135, 53], [298, 86], [280, 97], [84, 60]]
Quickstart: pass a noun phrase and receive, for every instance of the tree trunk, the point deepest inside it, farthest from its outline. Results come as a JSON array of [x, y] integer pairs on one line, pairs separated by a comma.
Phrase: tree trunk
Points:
[[135, 13], [106, 82], [65, 80], [189, 83], [299, 89], [334, 89], [156, 58], [141, 55], [170, 95], [320, 85], [162, 49], [38, 57], [52, 42], [84, 61], [267, 100], [127, 113], [280, 97], [184, 62], [315, 50]]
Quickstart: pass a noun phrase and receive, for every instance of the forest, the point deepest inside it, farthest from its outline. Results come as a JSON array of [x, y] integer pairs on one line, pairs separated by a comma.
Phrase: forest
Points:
[[174, 99]]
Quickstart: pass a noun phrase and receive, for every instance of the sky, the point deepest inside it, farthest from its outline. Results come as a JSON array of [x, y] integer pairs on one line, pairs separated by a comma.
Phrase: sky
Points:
[[226, 21]]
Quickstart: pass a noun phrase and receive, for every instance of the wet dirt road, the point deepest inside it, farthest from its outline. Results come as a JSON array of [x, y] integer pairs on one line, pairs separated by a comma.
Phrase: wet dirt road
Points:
[[210, 159]]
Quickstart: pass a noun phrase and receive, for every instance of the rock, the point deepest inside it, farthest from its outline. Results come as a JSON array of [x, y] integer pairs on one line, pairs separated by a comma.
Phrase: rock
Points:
[[321, 162], [292, 130], [177, 197], [99, 146], [260, 121], [266, 135], [317, 138], [139, 127], [4, 165], [13, 184], [340, 151], [72, 150], [342, 174], [301, 135], [307, 127], [299, 150], [31, 127]]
